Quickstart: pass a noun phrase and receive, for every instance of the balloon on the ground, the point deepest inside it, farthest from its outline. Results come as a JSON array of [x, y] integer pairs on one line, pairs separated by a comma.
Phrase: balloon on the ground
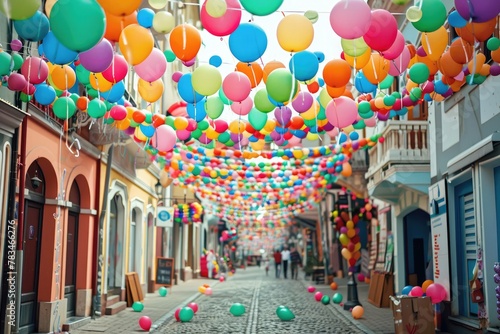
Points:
[[337, 298], [162, 291], [186, 314], [357, 312], [318, 295], [237, 309], [285, 314], [325, 300], [137, 306], [176, 314], [311, 289], [145, 323], [193, 306]]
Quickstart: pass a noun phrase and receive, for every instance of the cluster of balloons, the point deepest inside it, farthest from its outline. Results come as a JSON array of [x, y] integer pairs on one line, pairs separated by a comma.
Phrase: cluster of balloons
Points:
[[229, 235], [435, 291], [205, 289], [496, 278], [284, 313], [349, 237], [186, 313], [188, 213]]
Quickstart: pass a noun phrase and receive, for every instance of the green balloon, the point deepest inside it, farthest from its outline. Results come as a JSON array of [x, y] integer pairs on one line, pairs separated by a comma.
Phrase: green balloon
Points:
[[257, 119], [364, 107], [285, 314], [78, 25], [25, 97], [229, 143], [196, 170], [214, 107], [18, 61], [261, 7], [325, 300], [262, 102], [224, 137], [64, 108], [186, 314], [237, 309], [96, 108], [196, 133], [170, 55], [91, 92], [5, 60], [415, 94], [389, 100], [224, 98], [280, 308], [359, 125], [162, 291], [419, 73], [337, 298], [137, 306], [478, 79], [434, 15], [203, 125], [493, 44], [387, 82], [310, 122], [279, 85], [170, 121], [19, 10], [83, 75], [74, 97], [354, 47]]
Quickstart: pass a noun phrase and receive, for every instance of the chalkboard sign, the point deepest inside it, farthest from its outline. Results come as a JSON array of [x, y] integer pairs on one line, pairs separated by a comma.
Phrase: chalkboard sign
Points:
[[164, 271]]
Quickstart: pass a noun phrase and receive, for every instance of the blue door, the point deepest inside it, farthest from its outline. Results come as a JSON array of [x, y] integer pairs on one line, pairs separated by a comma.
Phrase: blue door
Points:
[[466, 246]]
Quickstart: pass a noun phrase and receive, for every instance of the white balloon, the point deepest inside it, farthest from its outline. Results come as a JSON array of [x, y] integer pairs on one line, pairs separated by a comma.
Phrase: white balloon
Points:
[[158, 4], [163, 22]]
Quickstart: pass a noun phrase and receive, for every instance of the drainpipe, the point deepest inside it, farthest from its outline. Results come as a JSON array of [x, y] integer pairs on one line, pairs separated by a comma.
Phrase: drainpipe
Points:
[[96, 225], [96, 305]]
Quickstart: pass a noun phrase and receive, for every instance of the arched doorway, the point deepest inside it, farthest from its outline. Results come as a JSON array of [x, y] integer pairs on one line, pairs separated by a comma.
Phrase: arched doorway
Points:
[[72, 250], [418, 254], [115, 248], [33, 218]]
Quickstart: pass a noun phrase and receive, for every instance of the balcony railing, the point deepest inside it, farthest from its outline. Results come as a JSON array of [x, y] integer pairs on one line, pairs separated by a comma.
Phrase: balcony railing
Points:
[[405, 143]]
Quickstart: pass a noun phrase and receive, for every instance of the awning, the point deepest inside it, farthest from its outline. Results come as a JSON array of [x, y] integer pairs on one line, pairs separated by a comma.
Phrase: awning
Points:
[[474, 153]]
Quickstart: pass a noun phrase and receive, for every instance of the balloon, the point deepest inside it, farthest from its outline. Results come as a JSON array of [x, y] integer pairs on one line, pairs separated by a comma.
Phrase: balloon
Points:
[[153, 67], [350, 19], [216, 8], [261, 7], [406, 290], [473, 32], [295, 33], [334, 286], [377, 69], [69, 21], [19, 10], [96, 108], [237, 309], [206, 80], [354, 47], [248, 42], [236, 86], [194, 307], [186, 90], [158, 4], [16, 82], [116, 71], [221, 25], [150, 91], [185, 41], [145, 17], [33, 28], [337, 73], [176, 314], [257, 119], [64, 107], [63, 77], [162, 291], [55, 52], [285, 314], [121, 8], [242, 108], [341, 112], [115, 25], [98, 58], [186, 314], [435, 43], [337, 298], [163, 22], [137, 306], [357, 312], [253, 71], [302, 102], [304, 65], [416, 291], [400, 64], [311, 289], [318, 295], [461, 51], [396, 48], [136, 43], [215, 61], [35, 70], [477, 10], [196, 111], [270, 67], [455, 20], [208, 291], [325, 300], [98, 82], [214, 107], [436, 292], [382, 32], [434, 15], [45, 94], [281, 86], [145, 323], [419, 73], [164, 138]]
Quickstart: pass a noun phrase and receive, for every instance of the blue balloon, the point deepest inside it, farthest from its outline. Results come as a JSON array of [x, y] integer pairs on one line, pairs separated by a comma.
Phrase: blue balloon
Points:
[[248, 42], [440, 87], [280, 130], [215, 61], [456, 21], [147, 130], [406, 290], [55, 52], [403, 111], [34, 28], [354, 135], [115, 93], [342, 139], [299, 133], [321, 82], [197, 111], [304, 65], [145, 17], [320, 55], [362, 84], [186, 90], [45, 94]]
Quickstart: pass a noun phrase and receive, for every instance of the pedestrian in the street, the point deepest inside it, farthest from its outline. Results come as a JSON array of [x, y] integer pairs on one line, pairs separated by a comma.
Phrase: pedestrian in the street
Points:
[[285, 258], [277, 262], [296, 260], [210, 263]]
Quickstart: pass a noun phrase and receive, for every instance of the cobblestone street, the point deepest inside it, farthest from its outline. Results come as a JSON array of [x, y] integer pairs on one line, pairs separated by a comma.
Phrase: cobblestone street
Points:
[[261, 295]]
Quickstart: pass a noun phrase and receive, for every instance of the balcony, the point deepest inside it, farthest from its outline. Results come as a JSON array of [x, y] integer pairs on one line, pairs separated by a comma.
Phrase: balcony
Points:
[[401, 162]]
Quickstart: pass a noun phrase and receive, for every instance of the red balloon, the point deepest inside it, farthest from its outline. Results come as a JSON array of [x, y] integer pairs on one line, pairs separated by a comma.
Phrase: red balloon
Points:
[[145, 323]]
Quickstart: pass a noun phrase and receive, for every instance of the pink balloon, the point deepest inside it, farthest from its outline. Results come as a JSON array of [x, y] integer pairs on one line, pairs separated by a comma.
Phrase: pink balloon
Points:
[[183, 134], [417, 291], [35, 70], [221, 279], [16, 45], [333, 133], [145, 323], [236, 86], [318, 295], [350, 19], [341, 112], [117, 70], [16, 82], [311, 289], [383, 30], [396, 48], [436, 292], [189, 63], [164, 138], [208, 291], [176, 76], [400, 64], [98, 58], [29, 89], [220, 126], [242, 108], [176, 314], [302, 102], [153, 67], [194, 306], [224, 25], [118, 112]]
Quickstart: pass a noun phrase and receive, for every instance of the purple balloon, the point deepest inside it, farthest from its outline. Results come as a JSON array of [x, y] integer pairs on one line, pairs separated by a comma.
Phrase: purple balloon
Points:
[[189, 63], [383, 117], [496, 278], [302, 102], [236, 137], [494, 71], [496, 267], [98, 58], [497, 289], [280, 141], [16, 45], [328, 127], [283, 115], [478, 10], [421, 52], [275, 135], [130, 131]]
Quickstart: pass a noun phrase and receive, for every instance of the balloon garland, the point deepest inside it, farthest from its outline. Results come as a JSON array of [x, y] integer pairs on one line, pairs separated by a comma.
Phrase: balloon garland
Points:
[[188, 213]]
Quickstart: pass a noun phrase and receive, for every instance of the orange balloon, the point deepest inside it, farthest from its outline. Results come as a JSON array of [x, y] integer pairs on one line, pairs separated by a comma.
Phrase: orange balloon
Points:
[[150, 91], [461, 51], [337, 73], [431, 64], [457, 85], [313, 87], [115, 25], [357, 312], [495, 55], [334, 286], [253, 71], [346, 170], [476, 64], [136, 43], [434, 43], [269, 67], [448, 66], [82, 103], [63, 77], [447, 80], [185, 41], [123, 124], [348, 93], [377, 69], [334, 91], [473, 32], [99, 83], [360, 61], [120, 8]]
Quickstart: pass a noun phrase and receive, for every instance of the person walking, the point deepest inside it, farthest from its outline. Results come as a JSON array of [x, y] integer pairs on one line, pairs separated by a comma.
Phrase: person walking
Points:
[[277, 262], [285, 258], [210, 263], [296, 260]]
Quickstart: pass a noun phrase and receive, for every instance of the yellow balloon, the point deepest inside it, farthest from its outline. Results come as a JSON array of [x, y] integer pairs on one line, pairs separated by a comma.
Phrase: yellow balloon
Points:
[[324, 97], [295, 33], [99, 83], [48, 6], [237, 126], [258, 145], [435, 43], [158, 4], [63, 77], [150, 91], [180, 123], [136, 43], [360, 61], [216, 8], [270, 125], [413, 14], [123, 124], [139, 135], [312, 136], [165, 181], [211, 133], [163, 22]]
